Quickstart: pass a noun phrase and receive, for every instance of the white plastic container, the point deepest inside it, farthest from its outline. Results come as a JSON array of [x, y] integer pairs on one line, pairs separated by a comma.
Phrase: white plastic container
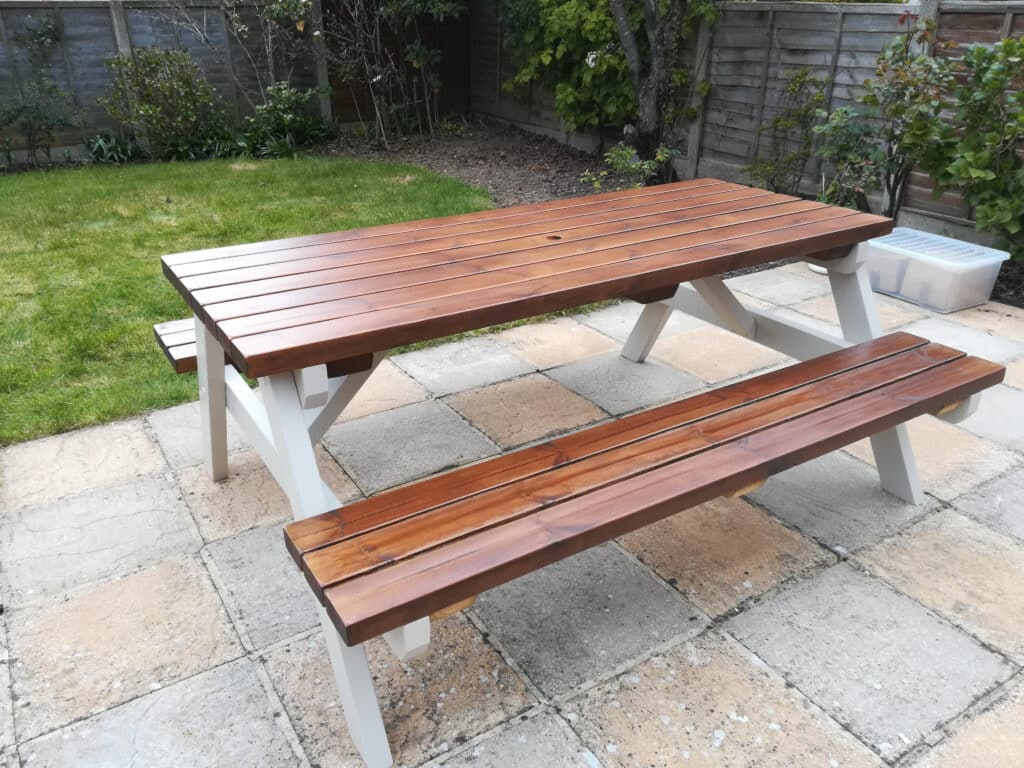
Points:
[[933, 271]]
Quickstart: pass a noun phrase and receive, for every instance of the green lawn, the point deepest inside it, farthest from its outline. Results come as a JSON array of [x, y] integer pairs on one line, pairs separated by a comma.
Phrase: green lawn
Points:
[[80, 280]]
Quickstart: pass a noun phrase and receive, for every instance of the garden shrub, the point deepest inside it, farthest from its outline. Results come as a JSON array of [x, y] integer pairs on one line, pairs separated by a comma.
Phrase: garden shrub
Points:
[[624, 169], [110, 148], [163, 98], [284, 122]]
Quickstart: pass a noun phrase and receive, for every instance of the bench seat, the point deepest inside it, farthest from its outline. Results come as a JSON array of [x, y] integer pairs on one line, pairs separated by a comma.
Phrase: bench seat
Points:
[[401, 555], [177, 340]]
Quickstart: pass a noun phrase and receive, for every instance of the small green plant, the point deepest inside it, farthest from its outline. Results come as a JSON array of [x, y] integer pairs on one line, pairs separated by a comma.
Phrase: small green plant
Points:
[[625, 170], [284, 122], [979, 150], [162, 97], [849, 146], [790, 135], [110, 148]]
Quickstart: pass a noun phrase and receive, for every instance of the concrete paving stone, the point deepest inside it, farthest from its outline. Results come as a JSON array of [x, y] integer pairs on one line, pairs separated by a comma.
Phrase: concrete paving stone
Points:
[[891, 313], [950, 460], [963, 571], [992, 739], [1000, 417], [1015, 374], [103, 646], [995, 318], [973, 341], [584, 616], [617, 321], [217, 719], [394, 447], [709, 703], [459, 365], [521, 410], [179, 432], [97, 534], [555, 342], [873, 659], [45, 470], [6, 705], [388, 387], [539, 741], [460, 688], [998, 503], [723, 552], [262, 586], [250, 496], [779, 286], [838, 501], [714, 355], [619, 385]]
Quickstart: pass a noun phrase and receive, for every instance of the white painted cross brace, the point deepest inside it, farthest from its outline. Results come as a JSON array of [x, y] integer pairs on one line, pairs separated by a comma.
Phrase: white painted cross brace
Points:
[[711, 300]]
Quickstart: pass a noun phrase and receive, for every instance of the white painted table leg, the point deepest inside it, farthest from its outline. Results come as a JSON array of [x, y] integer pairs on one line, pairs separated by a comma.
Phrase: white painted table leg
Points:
[[858, 318], [410, 641], [212, 402], [646, 331]]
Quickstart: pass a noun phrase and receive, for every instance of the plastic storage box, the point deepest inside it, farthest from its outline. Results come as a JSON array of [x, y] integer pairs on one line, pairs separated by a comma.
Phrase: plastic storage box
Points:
[[933, 271]]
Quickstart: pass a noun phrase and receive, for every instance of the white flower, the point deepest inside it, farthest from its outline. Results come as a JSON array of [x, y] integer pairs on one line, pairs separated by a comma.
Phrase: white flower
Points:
[[592, 59]]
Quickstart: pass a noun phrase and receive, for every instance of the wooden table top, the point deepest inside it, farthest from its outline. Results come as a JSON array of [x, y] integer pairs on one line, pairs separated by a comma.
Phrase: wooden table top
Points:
[[287, 304]]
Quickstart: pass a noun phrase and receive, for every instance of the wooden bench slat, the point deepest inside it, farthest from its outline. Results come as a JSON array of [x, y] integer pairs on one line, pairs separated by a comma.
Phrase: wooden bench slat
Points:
[[294, 347], [418, 227], [378, 252], [387, 598], [332, 527], [381, 548]]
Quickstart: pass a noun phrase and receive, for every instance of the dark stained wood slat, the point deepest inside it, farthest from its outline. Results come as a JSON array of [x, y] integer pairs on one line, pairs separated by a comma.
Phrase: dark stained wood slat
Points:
[[388, 598], [513, 250], [421, 225], [372, 248], [432, 283], [372, 331], [330, 528], [381, 548]]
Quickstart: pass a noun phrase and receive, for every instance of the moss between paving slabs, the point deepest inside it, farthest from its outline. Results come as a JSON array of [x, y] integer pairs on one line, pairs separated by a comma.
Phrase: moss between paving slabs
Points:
[[80, 280]]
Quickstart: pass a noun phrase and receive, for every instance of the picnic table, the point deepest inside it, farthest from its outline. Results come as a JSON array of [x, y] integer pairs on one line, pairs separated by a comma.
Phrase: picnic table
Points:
[[311, 317]]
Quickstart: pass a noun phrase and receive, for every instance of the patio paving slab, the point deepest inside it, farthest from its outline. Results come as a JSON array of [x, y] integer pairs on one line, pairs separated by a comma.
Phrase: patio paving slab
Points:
[[97, 534], [121, 639], [963, 571], [973, 341], [873, 659], [995, 318], [460, 688], [998, 503], [219, 718], [525, 409], [45, 470], [582, 617], [6, 706], [616, 321], [709, 703], [779, 286], [837, 500], [250, 497], [179, 433], [950, 460], [723, 552], [713, 355], [538, 741], [388, 387], [394, 447], [1000, 417], [891, 313], [458, 365], [262, 586], [619, 385], [555, 342], [992, 739], [1015, 374]]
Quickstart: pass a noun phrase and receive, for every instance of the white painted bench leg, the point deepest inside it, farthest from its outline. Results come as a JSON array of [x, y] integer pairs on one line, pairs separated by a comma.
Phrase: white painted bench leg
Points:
[[858, 318], [358, 698], [212, 402], [410, 641], [646, 331]]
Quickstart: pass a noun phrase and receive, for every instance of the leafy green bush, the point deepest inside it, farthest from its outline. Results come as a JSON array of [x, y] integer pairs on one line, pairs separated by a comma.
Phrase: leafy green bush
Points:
[[284, 122], [162, 97], [39, 110], [110, 148], [624, 169], [979, 151]]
